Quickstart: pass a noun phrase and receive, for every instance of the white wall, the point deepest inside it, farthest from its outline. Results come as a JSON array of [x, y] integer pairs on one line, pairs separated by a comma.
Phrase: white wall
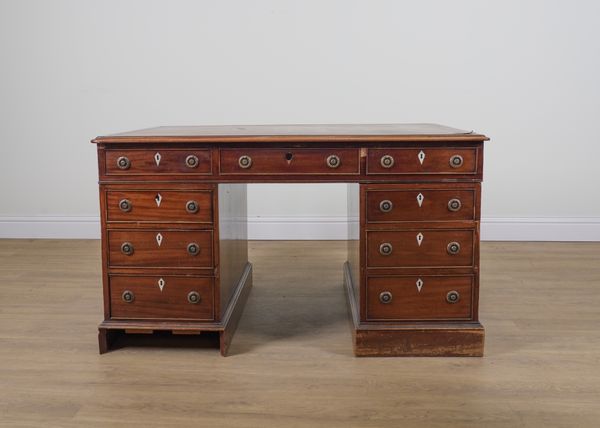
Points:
[[525, 73]]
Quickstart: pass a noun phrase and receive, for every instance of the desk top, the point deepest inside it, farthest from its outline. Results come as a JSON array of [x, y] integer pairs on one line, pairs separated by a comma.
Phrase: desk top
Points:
[[294, 133]]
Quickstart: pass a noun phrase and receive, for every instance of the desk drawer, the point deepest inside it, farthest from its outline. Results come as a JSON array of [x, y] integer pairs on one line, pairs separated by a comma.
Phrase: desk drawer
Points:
[[422, 161], [420, 248], [419, 297], [159, 205], [289, 161], [389, 204], [128, 162], [160, 248], [139, 297]]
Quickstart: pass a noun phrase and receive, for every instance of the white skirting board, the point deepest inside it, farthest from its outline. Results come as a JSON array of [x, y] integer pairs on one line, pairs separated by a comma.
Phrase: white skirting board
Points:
[[324, 228]]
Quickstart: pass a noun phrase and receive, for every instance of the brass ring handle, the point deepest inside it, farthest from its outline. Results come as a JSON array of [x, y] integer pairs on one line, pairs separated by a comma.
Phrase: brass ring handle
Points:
[[385, 249], [454, 205], [127, 248], [191, 207], [333, 161], [125, 205], [386, 206], [386, 161], [123, 162], [456, 161], [453, 296], [128, 296], [193, 297], [453, 248], [192, 161], [193, 249], [245, 161], [385, 297]]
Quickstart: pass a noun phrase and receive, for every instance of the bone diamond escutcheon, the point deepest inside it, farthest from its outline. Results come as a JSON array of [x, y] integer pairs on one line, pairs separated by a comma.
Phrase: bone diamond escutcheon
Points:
[[420, 238]]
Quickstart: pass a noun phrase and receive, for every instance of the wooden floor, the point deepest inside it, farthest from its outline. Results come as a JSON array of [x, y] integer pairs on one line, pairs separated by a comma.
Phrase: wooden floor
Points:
[[291, 363]]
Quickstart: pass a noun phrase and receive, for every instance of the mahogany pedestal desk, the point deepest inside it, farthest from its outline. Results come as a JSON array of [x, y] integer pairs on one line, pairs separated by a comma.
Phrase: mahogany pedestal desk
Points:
[[174, 229]]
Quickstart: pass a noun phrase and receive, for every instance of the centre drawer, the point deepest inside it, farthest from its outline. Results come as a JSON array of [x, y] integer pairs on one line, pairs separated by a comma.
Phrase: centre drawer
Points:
[[419, 297], [420, 248], [159, 206], [180, 297], [160, 248], [290, 161], [436, 203]]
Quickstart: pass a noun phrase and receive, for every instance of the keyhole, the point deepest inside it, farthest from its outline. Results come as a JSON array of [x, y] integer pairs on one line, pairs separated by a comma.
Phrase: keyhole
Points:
[[288, 156]]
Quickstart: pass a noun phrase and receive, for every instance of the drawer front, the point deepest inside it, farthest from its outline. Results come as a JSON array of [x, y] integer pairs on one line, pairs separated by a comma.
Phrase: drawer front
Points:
[[420, 205], [159, 248], [139, 297], [420, 248], [422, 161], [159, 205], [419, 297], [169, 161], [290, 161]]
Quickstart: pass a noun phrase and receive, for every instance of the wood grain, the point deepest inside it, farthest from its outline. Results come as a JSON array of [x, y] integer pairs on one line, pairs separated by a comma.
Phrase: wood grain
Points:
[[159, 205], [142, 162], [290, 161], [435, 161], [411, 303], [291, 362], [433, 206], [172, 251], [432, 252], [152, 302]]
